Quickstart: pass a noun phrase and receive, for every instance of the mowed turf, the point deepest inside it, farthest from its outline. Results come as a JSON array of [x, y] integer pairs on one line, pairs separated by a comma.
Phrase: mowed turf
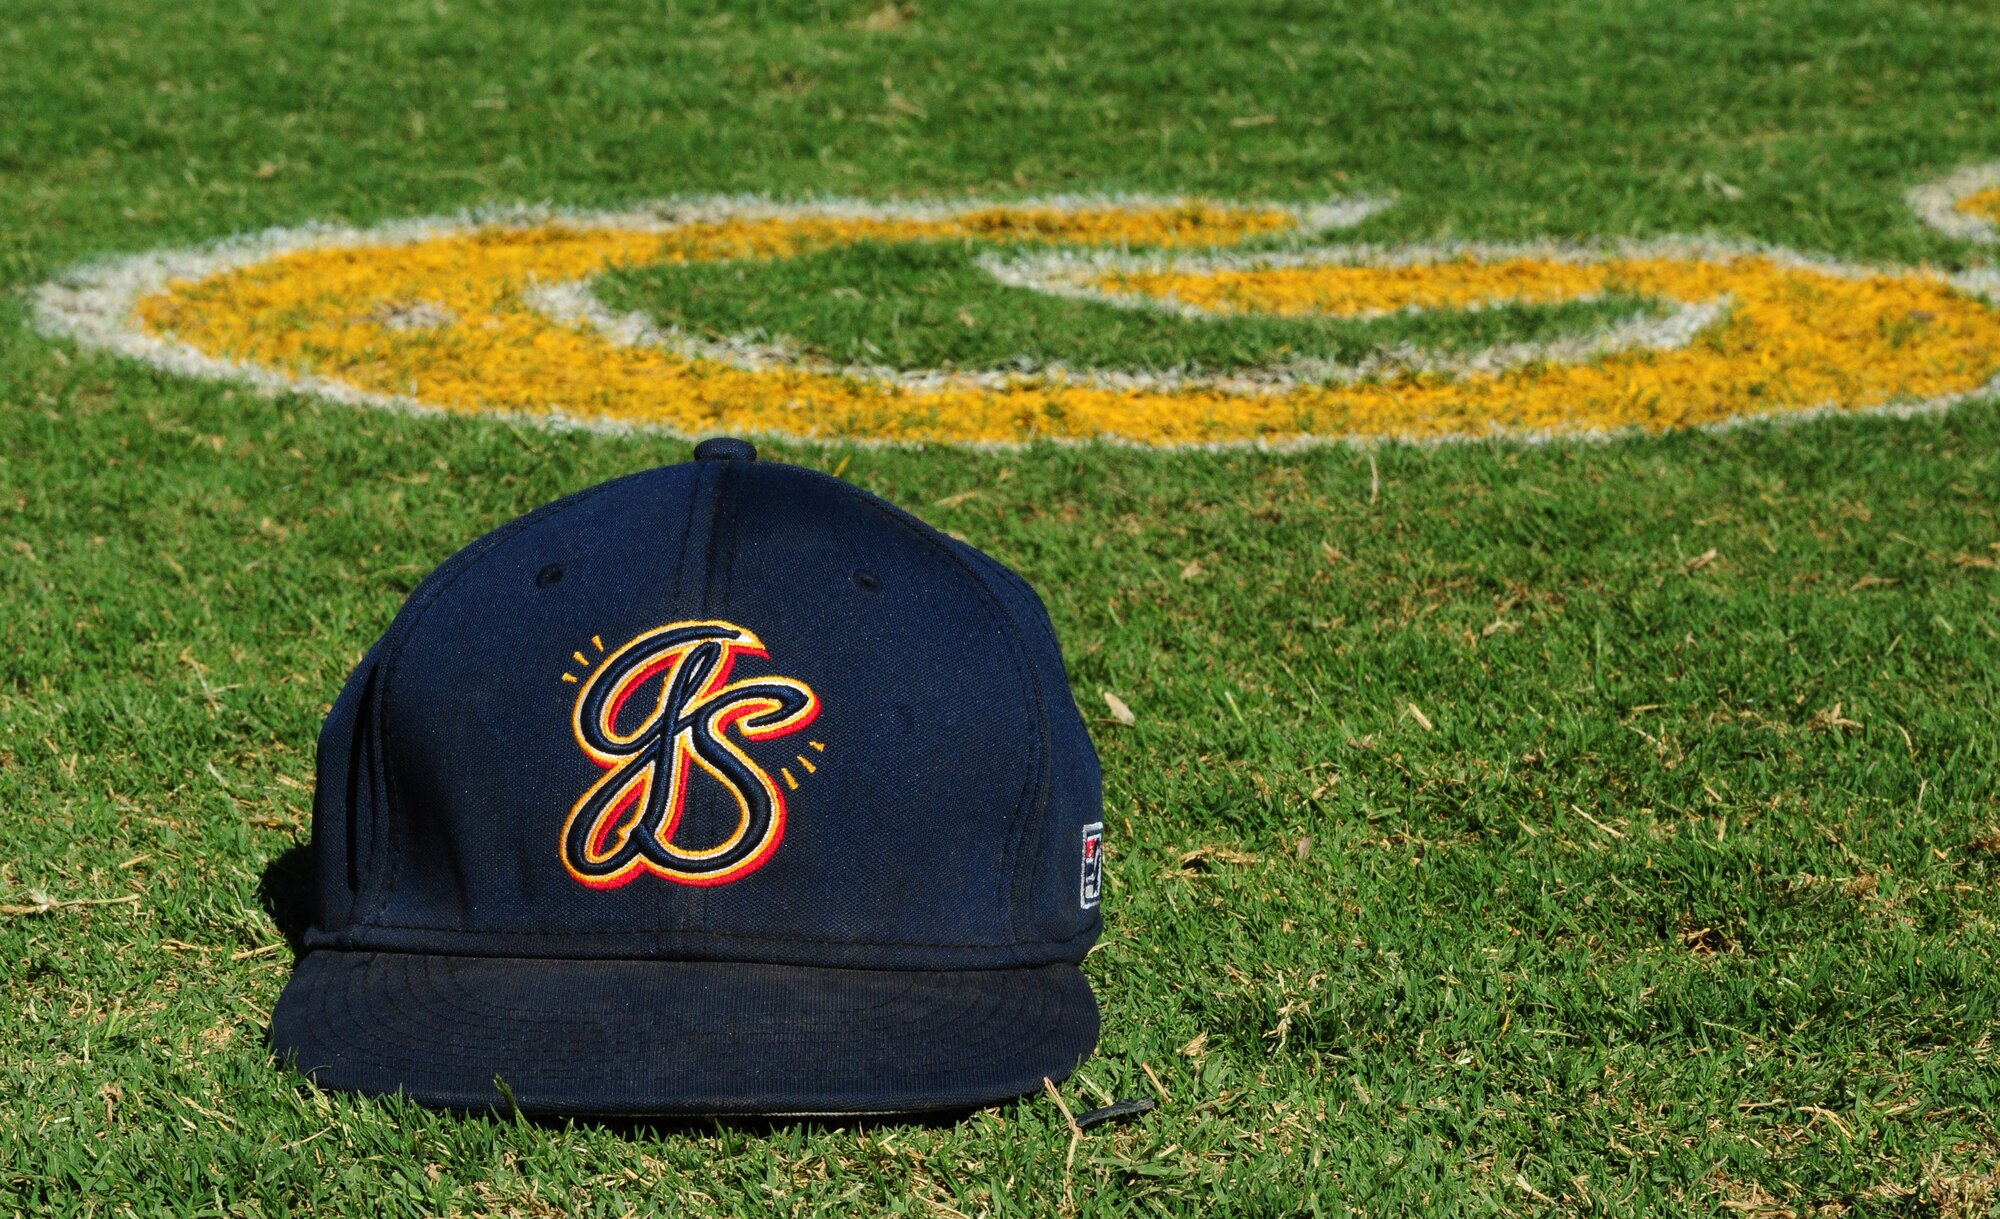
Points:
[[921, 307], [1502, 829]]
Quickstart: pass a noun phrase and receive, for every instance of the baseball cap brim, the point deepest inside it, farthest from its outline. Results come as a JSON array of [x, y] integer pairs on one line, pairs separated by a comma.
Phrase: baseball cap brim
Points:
[[597, 1038]]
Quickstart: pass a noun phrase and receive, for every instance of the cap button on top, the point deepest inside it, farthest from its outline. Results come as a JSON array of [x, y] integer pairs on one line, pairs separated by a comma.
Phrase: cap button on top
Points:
[[725, 448]]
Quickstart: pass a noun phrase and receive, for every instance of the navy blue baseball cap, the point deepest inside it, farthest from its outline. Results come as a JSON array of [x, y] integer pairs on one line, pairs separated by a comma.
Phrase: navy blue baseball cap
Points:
[[722, 788]]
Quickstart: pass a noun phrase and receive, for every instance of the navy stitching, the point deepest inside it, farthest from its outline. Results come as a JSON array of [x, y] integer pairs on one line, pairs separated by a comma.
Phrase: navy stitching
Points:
[[991, 605], [393, 855], [730, 935]]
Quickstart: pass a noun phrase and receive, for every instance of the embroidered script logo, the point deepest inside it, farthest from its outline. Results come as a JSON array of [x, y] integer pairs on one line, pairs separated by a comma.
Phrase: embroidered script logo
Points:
[[695, 719]]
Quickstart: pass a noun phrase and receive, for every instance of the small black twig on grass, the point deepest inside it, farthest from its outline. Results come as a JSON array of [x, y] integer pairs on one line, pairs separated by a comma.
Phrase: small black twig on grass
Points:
[[1117, 1111]]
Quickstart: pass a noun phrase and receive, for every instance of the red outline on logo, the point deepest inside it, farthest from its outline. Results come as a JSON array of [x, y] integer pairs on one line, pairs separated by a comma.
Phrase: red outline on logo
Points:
[[716, 686]]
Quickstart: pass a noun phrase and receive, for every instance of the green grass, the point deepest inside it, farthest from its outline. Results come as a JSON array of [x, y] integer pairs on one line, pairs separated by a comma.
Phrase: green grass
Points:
[[921, 306], [1683, 902]]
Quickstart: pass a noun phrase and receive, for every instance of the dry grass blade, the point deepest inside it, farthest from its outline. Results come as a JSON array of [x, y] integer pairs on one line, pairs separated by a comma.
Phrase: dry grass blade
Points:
[[888, 17], [1830, 718], [42, 903], [1075, 1138], [1608, 830], [1202, 856]]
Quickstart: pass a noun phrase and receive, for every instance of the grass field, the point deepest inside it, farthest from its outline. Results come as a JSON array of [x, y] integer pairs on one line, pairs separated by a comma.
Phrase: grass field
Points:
[[1504, 828]]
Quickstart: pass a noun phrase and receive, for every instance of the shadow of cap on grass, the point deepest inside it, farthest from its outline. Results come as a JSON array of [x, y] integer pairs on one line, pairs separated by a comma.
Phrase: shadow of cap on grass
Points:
[[286, 891]]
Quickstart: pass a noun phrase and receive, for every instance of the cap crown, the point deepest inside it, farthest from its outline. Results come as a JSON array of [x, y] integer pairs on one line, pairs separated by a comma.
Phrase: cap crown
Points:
[[729, 710]]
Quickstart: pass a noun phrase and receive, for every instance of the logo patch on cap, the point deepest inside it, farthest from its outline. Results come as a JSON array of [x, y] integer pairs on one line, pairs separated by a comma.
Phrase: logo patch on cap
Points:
[[1093, 864], [695, 722]]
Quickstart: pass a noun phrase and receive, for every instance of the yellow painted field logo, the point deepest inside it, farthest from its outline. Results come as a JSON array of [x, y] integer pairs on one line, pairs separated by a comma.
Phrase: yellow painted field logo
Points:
[[1965, 205], [496, 316]]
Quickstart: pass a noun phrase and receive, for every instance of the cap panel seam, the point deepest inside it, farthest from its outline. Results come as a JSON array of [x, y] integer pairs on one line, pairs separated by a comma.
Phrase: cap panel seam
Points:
[[387, 866], [1027, 879], [721, 566], [363, 783], [1023, 672], [691, 574], [389, 870]]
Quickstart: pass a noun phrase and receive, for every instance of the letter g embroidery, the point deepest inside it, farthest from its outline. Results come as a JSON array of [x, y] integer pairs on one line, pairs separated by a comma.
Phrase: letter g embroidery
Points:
[[625, 824]]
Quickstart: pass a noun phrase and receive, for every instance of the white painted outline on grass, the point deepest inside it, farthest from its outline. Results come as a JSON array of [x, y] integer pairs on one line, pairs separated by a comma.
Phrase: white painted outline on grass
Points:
[[1065, 273], [1936, 203], [1055, 274], [94, 305]]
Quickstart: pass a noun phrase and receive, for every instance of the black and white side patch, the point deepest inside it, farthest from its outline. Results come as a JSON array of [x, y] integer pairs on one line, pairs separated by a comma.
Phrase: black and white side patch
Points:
[[1093, 863]]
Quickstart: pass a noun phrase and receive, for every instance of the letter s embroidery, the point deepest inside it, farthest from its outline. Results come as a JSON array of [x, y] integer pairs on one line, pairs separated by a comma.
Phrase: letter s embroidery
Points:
[[698, 719]]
